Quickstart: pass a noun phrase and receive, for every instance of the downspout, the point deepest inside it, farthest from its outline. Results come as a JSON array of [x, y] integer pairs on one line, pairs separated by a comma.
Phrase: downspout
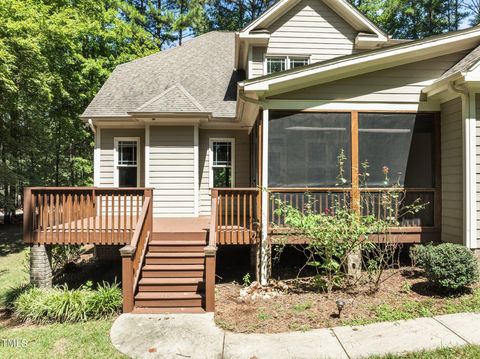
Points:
[[469, 182], [92, 127], [264, 245]]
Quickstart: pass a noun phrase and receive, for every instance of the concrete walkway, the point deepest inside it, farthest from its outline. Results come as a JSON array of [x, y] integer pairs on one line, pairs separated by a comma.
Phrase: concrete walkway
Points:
[[196, 336]]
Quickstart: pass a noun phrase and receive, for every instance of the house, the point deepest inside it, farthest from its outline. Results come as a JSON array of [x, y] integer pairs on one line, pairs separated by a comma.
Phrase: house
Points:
[[192, 144]]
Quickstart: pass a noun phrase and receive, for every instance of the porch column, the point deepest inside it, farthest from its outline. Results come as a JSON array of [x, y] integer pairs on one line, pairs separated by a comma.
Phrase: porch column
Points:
[[40, 266], [469, 165], [265, 258]]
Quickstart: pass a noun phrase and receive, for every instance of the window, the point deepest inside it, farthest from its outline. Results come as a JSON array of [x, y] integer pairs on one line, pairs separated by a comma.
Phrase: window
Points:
[[304, 149], [126, 162], [278, 64], [298, 62], [222, 163], [275, 64]]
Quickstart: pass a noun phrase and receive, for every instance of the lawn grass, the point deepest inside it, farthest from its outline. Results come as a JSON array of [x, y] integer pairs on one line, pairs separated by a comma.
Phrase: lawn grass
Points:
[[79, 340], [466, 352]]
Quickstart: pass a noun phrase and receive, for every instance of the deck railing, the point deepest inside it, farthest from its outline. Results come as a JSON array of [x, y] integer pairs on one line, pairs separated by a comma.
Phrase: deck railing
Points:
[[237, 216], [133, 254], [373, 201], [81, 215]]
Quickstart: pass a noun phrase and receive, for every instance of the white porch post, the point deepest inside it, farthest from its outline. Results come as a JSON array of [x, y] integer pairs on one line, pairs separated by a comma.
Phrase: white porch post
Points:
[[265, 248], [196, 172], [469, 185], [96, 158], [147, 155]]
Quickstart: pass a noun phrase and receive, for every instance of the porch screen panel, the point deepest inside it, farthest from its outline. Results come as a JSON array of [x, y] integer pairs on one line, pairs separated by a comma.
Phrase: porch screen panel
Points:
[[304, 149], [397, 147]]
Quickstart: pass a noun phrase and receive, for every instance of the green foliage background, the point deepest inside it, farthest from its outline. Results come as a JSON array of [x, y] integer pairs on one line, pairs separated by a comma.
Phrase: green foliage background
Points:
[[56, 54]]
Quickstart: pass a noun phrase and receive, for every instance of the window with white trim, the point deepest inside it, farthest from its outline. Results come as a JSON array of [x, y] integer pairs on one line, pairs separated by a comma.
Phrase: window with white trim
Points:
[[276, 64], [282, 63], [127, 162], [222, 163], [298, 62]]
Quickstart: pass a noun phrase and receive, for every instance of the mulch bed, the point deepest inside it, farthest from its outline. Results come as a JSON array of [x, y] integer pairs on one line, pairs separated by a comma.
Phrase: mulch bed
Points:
[[305, 309]]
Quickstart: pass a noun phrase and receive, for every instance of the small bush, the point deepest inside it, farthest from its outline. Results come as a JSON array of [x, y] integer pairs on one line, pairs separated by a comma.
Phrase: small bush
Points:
[[68, 305], [450, 266]]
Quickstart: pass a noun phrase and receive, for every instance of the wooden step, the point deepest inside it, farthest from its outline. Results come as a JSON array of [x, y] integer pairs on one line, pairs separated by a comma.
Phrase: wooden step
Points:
[[180, 236], [173, 271], [175, 258], [177, 242], [176, 246], [168, 299], [170, 285]]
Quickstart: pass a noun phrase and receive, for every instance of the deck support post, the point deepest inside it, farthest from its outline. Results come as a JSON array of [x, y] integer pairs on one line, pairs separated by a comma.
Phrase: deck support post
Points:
[[255, 260], [127, 278], [210, 254], [354, 264], [41, 266]]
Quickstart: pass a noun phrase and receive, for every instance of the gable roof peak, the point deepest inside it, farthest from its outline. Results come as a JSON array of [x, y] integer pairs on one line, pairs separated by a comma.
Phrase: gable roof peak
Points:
[[174, 99], [343, 8]]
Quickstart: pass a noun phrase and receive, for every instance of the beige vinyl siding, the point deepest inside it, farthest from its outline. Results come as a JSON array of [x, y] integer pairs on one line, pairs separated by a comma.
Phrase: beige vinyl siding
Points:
[[452, 171], [107, 145], [311, 28], [242, 162], [258, 58], [398, 84], [172, 170]]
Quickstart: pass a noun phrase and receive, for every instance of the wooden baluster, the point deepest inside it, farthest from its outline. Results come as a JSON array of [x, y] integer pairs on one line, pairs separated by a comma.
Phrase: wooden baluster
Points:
[[238, 219], [131, 216], [117, 237], [113, 220], [45, 218], [89, 212], [250, 219], [220, 219], [124, 218], [232, 218], [244, 229], [107, 199], [49, 218], [138, 209], [100, 216]]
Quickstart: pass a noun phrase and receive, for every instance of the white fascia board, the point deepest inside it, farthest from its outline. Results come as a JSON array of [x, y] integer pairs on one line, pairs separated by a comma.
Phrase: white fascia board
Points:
[[317, 105], [362, 63]]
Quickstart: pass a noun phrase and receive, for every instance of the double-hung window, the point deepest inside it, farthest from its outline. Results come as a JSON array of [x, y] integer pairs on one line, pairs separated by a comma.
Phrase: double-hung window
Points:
[[222, 163], [126, 162], [282, 63]]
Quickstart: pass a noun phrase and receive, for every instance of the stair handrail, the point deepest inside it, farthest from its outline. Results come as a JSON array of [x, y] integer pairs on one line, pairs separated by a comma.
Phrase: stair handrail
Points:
[[210, 255], [133, 254]]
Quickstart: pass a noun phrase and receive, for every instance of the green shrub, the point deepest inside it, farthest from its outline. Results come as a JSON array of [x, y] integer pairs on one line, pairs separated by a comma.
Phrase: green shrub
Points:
[[61, 304], [450, 266]]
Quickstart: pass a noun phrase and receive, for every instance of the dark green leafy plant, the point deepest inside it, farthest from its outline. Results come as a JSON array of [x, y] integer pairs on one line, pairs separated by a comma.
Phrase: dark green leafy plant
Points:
[[61, 304], [451, 267]]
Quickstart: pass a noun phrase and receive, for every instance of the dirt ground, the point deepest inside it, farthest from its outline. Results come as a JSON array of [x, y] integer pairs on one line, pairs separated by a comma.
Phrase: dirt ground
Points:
[[406, 293]]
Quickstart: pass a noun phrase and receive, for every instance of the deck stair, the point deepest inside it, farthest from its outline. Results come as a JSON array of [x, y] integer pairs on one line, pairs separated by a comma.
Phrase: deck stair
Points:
[[173, 274]]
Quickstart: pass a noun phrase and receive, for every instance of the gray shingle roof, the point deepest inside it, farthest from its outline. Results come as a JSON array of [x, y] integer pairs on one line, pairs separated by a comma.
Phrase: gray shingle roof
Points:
[[195, 77], [463, 65]]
